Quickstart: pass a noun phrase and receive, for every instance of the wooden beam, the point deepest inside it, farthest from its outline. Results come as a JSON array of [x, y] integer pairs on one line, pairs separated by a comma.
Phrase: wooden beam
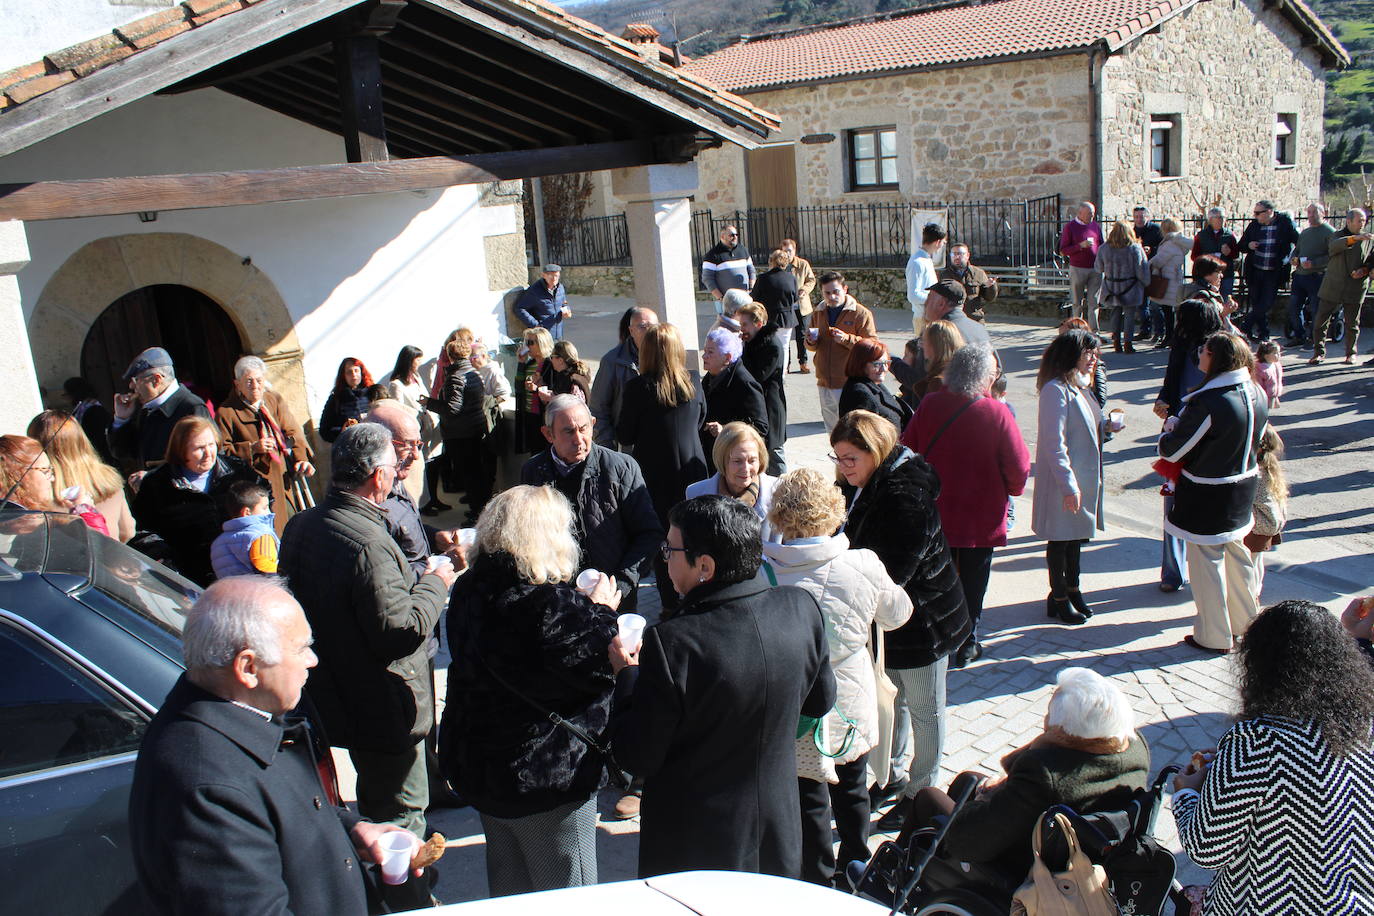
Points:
[[358, 67], [114, 196], [162, 65]]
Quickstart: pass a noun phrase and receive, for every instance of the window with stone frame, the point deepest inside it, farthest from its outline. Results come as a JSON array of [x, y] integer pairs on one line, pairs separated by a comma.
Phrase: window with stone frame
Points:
[[1166, 146], [1285, 139], [872, 155]]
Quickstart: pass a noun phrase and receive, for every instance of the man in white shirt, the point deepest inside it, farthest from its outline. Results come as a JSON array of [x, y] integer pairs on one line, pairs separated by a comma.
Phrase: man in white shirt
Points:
[[920, 272]]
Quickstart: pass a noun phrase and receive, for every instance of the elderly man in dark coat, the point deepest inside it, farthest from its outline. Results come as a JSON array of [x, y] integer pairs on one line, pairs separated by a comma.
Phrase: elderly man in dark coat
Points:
[[143, 419], [706, 711], [544, 304], [227, 812], [373, 618], [617, 527]]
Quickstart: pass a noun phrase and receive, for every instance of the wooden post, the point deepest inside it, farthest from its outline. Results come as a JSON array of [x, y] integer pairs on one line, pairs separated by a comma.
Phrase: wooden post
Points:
[[358, 64], [541, 226]]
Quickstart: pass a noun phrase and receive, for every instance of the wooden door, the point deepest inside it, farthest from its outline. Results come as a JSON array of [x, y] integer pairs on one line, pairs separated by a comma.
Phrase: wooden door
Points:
[[771, 175], [201, 338]]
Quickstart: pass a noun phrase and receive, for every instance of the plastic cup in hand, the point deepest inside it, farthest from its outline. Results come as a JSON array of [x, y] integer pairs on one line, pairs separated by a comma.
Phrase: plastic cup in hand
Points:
[[1117, 417], [467, 537], [588, 580], [438, 560], [398, 848], [631, 631], [71, 494], [813, 334]]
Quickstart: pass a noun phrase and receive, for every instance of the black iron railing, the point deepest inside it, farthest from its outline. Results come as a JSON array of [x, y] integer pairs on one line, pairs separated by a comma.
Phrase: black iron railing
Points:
[[602, 241]]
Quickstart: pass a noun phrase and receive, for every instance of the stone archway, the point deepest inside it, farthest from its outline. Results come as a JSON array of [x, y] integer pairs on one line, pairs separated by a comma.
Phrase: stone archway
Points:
[[107, 269]]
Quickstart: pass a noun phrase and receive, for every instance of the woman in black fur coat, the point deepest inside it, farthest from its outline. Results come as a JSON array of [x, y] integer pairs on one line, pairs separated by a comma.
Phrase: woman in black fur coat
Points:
[[526, 643]]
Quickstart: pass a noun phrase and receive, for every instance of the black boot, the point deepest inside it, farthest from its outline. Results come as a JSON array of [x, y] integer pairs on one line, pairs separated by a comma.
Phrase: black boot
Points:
[[969, 652], [1079, 604], [1060, 607]]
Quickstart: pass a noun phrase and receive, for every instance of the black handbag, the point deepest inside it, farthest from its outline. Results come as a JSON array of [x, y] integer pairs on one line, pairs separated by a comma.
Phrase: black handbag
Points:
[[613, 770]]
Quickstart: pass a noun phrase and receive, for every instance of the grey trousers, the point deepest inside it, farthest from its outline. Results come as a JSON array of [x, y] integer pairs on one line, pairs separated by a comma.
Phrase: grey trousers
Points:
[[393, 788], [1222, 577], [922, 692], [541, 852], [1084, 285]]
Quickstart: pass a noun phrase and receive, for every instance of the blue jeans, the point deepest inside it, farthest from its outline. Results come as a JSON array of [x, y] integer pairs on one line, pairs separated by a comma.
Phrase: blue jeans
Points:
[[1264, 290], [1228, 284], [1302, 304]]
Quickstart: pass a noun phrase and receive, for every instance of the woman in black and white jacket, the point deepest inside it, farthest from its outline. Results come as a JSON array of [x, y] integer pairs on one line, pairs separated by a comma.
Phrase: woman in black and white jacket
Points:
[[1216, 441]]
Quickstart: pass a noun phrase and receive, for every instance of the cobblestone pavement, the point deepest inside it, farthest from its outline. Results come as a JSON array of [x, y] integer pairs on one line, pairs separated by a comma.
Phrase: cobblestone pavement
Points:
[[1183, 699]]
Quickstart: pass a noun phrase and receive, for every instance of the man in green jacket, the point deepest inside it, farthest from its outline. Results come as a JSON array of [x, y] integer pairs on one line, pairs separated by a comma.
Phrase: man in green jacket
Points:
[[1345, 284], [1309, 265], [372, 617]]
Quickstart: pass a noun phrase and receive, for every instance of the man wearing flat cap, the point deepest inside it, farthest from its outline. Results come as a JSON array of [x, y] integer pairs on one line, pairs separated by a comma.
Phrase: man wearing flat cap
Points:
[[945, 302], [143, 418], [545, 303]]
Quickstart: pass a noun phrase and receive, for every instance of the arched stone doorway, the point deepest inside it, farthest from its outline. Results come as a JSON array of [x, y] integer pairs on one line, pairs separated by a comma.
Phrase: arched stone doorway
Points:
[[199, 335], [102, 272]]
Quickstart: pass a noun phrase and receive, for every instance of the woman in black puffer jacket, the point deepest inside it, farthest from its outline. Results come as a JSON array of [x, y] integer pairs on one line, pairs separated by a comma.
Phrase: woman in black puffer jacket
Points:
[[1216, 441], [525, 644], [863, 388], [892, 492]]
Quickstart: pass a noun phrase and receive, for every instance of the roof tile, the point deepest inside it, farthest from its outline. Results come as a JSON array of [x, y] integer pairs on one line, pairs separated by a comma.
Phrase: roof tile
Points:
[[945, 35], [21, 93], [72, 57], [22, 74]]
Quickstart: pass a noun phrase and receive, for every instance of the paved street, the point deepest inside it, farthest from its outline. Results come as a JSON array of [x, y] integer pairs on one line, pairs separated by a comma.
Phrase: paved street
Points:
[[1182, 699]]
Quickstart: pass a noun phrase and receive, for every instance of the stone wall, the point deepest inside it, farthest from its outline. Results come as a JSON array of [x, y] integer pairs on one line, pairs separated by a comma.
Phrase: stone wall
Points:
[[1226, 69]]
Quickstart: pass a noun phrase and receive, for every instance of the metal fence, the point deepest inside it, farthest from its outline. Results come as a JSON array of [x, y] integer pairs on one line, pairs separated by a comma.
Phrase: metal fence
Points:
[[1000, 232], [601, 241]]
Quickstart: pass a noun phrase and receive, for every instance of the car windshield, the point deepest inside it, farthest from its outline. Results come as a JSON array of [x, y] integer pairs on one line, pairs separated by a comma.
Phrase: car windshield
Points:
[[62, 545]]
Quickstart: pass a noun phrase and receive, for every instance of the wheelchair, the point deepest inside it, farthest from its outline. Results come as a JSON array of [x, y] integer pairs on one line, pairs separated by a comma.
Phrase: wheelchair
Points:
[[920, 880]]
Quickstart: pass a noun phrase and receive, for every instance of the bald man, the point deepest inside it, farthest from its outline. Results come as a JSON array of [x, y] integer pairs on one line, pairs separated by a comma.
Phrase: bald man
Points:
[[417, 540], [227, 813]]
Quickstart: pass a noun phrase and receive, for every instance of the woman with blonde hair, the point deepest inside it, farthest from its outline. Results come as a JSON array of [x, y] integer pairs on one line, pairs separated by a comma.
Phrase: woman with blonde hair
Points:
[[1271, 503], [179, 500], [26, 482], [1170, 261], [76, 464], [854, 592], [740, 454], [1125, 274], [660, 418], [528, 645], [940, 340], [533, 380]]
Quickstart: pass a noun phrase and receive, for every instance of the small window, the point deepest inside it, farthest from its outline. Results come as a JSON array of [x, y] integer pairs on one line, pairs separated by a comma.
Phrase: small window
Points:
[[1166, 155], [52, 714], [1285, 139], [873, 158]]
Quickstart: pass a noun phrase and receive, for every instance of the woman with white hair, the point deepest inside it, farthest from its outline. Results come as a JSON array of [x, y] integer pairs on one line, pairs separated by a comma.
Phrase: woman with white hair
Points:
[[973, 443], [731, 393], [855, 593], [257, 427], [1089, 757], [527, 644]]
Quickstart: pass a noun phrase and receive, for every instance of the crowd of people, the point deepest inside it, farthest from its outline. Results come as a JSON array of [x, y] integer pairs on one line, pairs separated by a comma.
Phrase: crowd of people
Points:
[[797, 672]]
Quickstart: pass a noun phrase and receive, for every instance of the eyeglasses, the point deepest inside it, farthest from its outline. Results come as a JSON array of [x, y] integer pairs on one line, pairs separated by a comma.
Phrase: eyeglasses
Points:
[[48, 471], [732, 235], [881, 363], [849, 462], [1262, 212], [666, 551], [406, 446]]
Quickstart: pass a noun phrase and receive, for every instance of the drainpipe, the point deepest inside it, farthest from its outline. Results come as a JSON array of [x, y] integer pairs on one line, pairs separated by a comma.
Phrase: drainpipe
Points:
[[1096, 57]]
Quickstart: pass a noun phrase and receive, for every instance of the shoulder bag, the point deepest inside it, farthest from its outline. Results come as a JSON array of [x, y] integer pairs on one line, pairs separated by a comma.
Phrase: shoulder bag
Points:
[[1082, 890], [880, 755], [930, 446], [613, 770]]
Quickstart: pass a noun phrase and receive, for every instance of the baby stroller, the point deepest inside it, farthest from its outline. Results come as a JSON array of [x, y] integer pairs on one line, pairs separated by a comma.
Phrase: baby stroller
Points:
[[919, 881]]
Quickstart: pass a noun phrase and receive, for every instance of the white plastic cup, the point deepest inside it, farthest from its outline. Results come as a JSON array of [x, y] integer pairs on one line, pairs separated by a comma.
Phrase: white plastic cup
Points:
[[631, 631], [467, 537], [1117, 417], [587, 581], [437, 560], [398, 849], [813, 334], [71, 494]]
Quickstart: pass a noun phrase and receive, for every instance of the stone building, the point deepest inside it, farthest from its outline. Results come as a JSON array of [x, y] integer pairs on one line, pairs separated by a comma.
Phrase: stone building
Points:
[[1170, 103], [306, 180]]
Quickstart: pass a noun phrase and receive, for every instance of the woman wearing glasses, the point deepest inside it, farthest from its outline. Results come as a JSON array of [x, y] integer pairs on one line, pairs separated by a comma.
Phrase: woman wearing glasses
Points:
[[891, 492], [26, 482], [864, 389]]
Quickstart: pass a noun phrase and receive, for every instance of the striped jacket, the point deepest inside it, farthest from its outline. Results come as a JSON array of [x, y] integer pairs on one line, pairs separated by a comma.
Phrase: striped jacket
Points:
[[725, 268], [1286, 824], [1216, 440]]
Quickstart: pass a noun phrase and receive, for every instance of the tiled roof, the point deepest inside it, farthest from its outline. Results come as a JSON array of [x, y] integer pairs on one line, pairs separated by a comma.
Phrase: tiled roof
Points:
[[952, 34], [59, 68]]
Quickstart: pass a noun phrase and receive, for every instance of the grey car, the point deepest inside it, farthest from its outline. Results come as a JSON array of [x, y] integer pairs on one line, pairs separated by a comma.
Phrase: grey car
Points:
[[90, 644]]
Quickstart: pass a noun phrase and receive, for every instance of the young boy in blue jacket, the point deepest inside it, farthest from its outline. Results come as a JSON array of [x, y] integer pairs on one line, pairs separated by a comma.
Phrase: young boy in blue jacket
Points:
[[248, 543]]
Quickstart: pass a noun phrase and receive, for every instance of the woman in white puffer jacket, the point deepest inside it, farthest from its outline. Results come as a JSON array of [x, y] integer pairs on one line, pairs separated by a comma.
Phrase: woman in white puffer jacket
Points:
[[854, 592]]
